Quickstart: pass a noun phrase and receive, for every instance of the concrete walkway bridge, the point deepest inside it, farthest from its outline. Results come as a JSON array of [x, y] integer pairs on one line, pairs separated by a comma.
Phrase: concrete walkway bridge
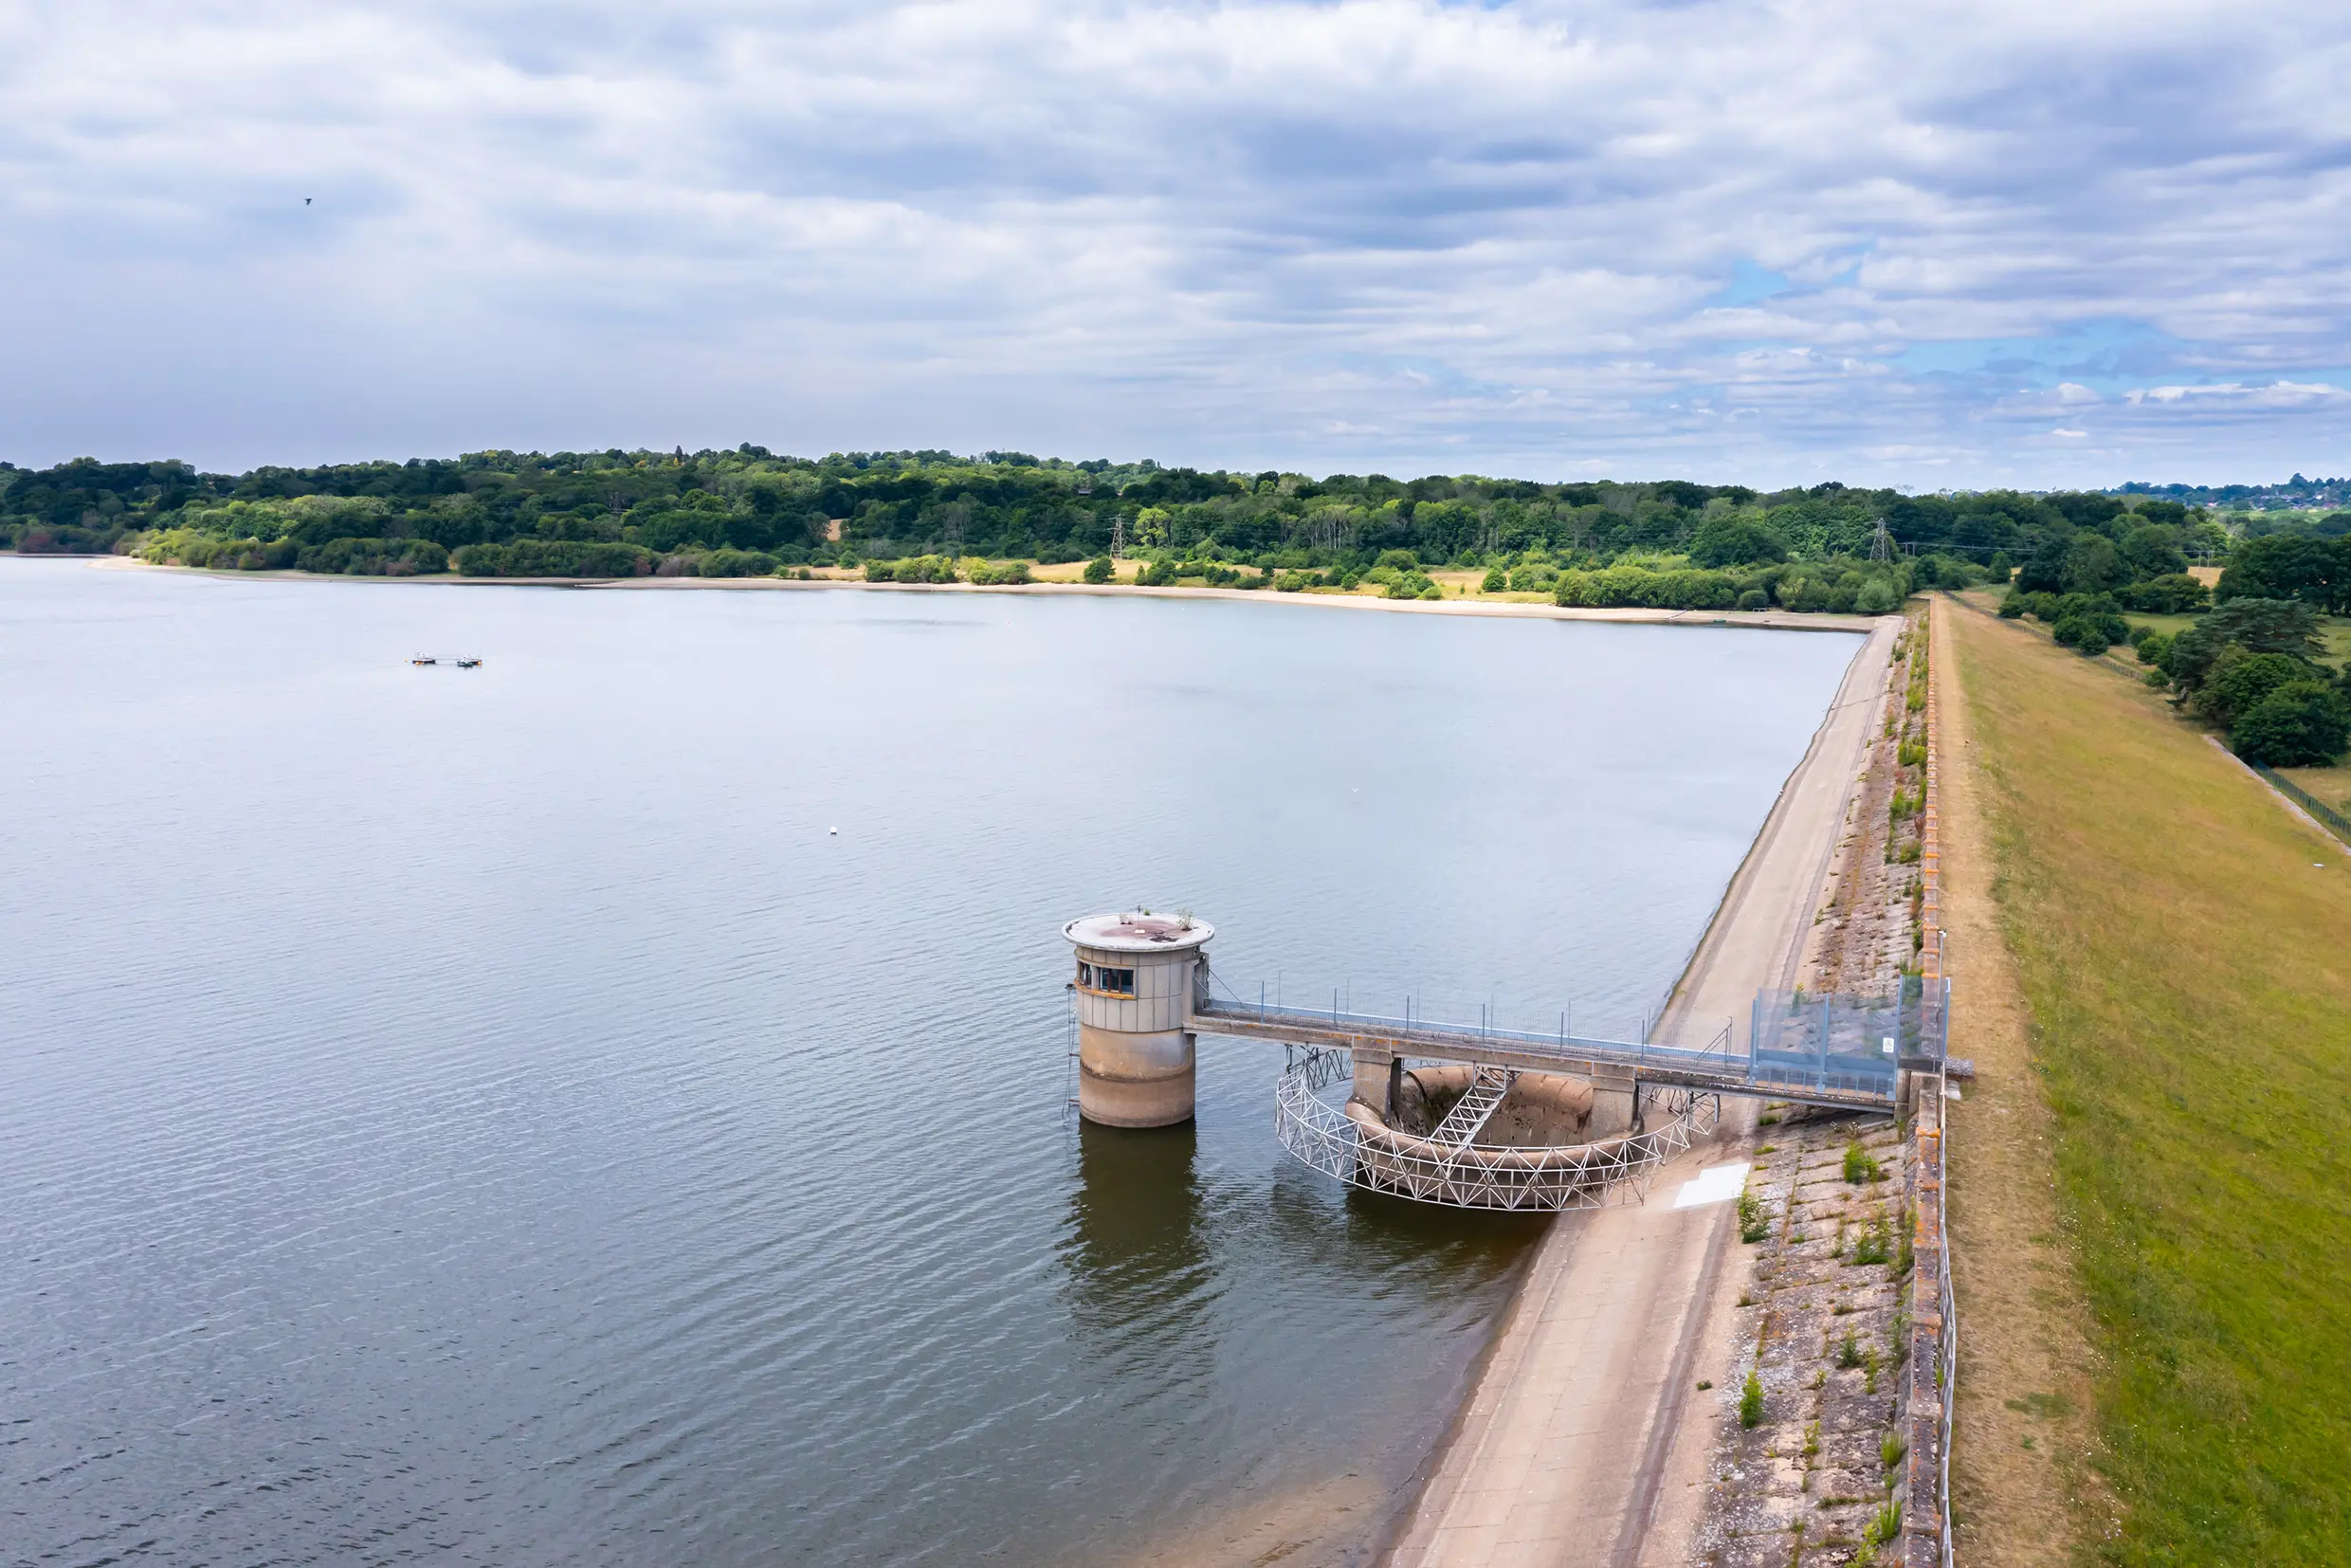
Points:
[[1647, 1099], [1596, 1117], [1838, 1052]]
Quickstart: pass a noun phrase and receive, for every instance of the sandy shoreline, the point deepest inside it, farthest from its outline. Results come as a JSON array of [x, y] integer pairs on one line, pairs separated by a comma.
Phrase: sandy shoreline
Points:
[[1774, 620]]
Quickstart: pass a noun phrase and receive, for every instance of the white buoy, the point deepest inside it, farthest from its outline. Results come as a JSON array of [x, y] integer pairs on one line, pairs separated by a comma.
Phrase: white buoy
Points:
[[834, 833]]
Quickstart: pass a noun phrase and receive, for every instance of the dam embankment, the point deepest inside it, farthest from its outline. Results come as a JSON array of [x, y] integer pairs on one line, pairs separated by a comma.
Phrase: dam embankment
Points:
[[1576, 1444]]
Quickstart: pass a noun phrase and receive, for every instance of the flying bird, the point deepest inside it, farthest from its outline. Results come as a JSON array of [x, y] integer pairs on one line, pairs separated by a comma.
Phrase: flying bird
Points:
[[305, 201]]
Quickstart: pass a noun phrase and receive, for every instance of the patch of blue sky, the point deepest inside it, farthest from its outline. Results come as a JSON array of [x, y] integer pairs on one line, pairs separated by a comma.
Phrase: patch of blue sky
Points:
[[2105, 354], [1753, 282], [1749, 284]]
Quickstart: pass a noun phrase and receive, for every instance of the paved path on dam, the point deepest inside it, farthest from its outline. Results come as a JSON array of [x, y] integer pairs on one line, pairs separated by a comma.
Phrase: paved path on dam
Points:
[[1574, 1448]]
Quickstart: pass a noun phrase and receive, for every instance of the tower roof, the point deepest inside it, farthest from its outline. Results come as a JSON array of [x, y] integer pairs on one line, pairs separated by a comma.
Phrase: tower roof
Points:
[[1138, 931]]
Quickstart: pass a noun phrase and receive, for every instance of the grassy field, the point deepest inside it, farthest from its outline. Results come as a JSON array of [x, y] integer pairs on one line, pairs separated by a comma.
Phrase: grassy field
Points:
[[2334, 631], [2188, 973], [2331, 785]]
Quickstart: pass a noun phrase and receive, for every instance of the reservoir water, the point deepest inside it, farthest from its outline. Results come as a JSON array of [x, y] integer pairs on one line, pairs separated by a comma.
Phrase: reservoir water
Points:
[[489, 1115]]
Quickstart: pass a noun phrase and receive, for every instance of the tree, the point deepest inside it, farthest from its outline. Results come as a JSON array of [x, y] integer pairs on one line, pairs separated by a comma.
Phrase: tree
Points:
[[2258, 626], [1099, 570], [2045, 571], [1735, 542], [2301, 725], [2153, 550], [2289, 566], [2173, 594], [2094, 566], [2238, 681]]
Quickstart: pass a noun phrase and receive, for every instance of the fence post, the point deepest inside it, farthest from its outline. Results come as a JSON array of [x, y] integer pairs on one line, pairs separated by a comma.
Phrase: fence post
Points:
[[1822, 1082]]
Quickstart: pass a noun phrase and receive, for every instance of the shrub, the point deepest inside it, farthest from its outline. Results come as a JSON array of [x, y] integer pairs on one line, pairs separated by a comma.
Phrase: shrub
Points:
[[1755, 1221], [880, 571], [1410, 585], [1399, 560], [1876, 597], [1099, 570], [2090, 632], [1495, 582], [1633, 586], [1755, 599], [1859, 1167], [1751, 1401], [1291, 582], [739, 563], [1806, 595], [2301, 725], [358, 558], [554, 558], [999, 575], [1848, 1353]]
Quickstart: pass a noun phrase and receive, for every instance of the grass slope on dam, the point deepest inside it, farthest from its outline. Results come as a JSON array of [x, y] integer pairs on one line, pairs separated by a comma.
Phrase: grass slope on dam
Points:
[[2179, 943]]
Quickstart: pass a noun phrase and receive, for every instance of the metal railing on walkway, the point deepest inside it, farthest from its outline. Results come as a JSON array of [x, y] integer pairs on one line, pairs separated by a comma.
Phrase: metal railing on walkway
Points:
[[1831, 1050]]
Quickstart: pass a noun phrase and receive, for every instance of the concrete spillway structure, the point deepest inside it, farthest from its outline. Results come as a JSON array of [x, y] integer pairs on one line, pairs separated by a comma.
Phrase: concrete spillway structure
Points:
[[1135, 994]]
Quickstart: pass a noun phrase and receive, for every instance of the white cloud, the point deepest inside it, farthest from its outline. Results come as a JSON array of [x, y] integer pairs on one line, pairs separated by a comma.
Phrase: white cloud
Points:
[[1373, 233]]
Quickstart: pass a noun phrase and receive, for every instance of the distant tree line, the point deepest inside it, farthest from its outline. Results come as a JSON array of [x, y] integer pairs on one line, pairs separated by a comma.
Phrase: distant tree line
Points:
[[751, 512]]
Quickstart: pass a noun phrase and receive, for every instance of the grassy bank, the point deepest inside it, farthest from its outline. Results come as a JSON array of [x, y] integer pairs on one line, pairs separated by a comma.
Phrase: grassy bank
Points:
[[2184, 967]]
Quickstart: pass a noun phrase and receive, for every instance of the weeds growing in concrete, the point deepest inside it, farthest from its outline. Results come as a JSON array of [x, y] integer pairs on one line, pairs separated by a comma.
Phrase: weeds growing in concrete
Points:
[[1751, 1402], [1859, 1167]]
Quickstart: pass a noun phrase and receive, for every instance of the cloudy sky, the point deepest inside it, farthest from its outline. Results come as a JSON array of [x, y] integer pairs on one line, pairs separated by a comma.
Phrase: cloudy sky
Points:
[[2041, 242]]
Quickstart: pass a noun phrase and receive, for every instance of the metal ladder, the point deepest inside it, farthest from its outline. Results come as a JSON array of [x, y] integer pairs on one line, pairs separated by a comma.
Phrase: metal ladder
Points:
[[1471, 1112]]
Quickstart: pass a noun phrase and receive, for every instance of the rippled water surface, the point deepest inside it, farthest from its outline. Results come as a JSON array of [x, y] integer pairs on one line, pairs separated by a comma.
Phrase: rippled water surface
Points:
[[488, 1115]]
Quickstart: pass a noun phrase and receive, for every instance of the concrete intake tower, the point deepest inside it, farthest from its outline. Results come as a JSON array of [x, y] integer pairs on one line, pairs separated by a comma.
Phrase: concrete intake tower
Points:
[[1135, 992]]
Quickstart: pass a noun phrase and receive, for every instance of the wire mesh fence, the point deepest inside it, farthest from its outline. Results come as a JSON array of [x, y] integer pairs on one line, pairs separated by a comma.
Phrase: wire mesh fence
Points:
[[2336, 822], [1832, 1040]]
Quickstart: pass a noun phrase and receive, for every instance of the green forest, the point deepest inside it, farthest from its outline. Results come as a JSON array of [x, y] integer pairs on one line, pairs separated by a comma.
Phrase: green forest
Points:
[[934, 516]]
